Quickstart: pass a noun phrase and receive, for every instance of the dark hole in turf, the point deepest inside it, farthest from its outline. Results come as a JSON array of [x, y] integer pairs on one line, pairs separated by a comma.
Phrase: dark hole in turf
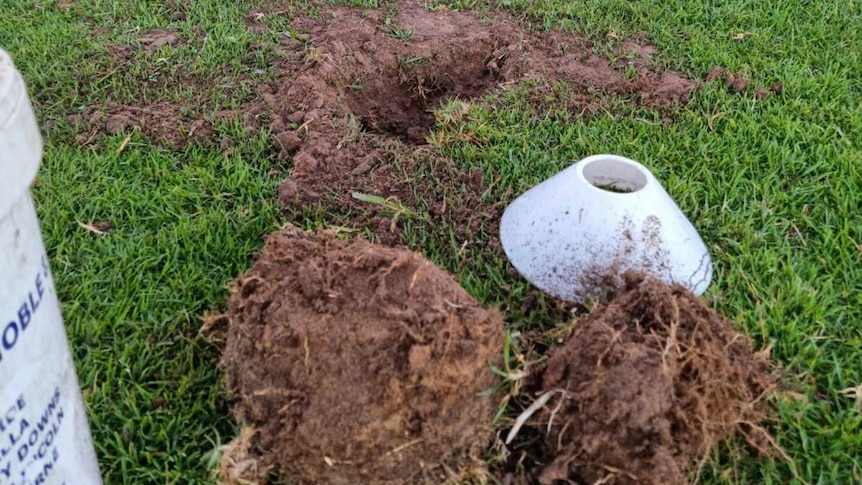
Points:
[[400, 102]]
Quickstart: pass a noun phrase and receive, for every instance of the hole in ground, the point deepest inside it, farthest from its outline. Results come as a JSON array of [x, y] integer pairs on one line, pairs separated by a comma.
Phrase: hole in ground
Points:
[[398, 100], [614, 175]]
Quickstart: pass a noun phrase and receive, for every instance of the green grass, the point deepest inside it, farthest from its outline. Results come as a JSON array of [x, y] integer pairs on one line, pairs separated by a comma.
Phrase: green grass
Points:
[[775, 188], [184, 224]]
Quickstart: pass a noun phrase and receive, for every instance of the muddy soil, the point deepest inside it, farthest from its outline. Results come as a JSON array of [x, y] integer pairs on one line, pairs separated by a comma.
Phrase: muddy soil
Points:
[[646, 386], [355, 363]]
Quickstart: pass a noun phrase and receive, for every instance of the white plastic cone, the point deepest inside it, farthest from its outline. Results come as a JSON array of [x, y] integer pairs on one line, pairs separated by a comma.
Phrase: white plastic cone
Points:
[[578, 232]]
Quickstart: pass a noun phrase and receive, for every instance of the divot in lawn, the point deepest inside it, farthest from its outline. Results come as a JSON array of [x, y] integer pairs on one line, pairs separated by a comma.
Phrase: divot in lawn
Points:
[[355, 109]]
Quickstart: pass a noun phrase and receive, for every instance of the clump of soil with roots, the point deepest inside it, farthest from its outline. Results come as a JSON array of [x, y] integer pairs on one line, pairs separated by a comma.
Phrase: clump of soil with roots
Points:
[[644, 389], [356, 363]]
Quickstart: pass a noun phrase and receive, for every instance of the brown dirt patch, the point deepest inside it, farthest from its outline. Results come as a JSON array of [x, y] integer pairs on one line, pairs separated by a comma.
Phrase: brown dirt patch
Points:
[[646, 386], [420, 188], [356, 363], [357, 66], [162, 120], [254, 22], [154, 39], [738, 83], [356, 110], [351, 104]]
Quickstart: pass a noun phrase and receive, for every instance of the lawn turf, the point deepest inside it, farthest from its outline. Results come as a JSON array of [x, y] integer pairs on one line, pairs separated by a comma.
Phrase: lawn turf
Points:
[[774, 186]]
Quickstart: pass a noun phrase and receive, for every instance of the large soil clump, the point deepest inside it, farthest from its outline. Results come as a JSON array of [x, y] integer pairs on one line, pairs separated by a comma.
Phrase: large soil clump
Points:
[[355, 363], [646, 386]]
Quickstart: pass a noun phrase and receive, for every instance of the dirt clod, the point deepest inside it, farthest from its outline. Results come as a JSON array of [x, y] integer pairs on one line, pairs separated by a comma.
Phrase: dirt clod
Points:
[[715, 74], [288, 141], [154, 39], [736, 81], [646, 386], [356, 363]]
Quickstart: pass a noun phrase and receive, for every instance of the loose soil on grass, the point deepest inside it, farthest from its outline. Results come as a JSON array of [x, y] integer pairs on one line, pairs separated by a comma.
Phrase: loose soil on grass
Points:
[[357, 113], [356, 363], [737, 82], [351, 104], [645, 387]]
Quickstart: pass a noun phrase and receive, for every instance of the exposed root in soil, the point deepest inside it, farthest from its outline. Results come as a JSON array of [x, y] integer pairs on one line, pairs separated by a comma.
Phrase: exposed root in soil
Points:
[[356, 363], [240, 464], [645, 388]]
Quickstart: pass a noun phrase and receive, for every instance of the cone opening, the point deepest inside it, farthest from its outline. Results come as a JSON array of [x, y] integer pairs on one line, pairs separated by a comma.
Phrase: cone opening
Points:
[[614, 175]]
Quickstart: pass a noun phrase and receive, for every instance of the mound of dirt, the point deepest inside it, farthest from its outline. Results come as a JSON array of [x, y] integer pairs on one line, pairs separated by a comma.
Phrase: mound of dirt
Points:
[[355, 363], [352, 96], [646, 386], [364, 71], [389, 72], [357, 107]]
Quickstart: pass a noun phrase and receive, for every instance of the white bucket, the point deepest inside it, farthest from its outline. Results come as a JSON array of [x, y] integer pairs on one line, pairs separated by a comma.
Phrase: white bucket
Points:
[[584, 228], [44, 436]]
